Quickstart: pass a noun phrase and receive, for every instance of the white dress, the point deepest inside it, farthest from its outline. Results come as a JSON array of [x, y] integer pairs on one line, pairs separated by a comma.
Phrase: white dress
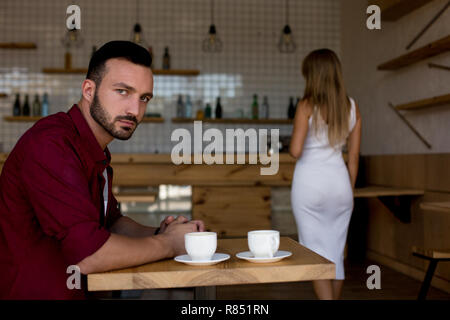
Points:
[[322, 197]]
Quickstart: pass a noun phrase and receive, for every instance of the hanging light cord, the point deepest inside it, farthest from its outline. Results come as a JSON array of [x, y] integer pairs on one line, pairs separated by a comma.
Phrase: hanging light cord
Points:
[[137, 11], [286, 43], [287, 12], [212, 11]]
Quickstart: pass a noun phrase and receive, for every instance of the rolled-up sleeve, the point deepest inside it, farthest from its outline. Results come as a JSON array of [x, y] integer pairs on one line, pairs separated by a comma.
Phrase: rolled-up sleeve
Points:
[[58, 191], [114, 214]]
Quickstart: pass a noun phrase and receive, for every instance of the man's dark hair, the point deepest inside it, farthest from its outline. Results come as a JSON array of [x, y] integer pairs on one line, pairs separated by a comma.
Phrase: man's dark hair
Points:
[[116, 49]]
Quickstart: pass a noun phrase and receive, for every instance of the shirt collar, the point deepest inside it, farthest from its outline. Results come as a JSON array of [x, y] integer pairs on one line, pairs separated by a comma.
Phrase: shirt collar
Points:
[[88, 138]]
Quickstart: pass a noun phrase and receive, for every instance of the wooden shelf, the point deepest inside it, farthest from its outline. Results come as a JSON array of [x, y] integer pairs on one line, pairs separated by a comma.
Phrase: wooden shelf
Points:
[[392, 10], [175, 72], [36, 118], [235, 121], [379, 191], [436, 206], [422, 53], [3, 95], [17, 45], [21, 118], [65, 71], [438, 66], [425, 103]]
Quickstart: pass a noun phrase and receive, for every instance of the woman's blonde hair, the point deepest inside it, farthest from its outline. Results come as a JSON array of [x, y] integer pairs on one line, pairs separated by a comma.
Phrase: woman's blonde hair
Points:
[[325, 89]]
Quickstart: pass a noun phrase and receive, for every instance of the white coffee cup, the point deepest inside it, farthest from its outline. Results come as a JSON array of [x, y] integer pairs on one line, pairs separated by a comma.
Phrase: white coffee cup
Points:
[[200, 246], [263, 243]]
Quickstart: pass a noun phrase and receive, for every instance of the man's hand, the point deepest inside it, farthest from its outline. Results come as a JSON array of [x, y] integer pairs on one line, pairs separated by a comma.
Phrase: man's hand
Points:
[[174, 233], [168, 220]]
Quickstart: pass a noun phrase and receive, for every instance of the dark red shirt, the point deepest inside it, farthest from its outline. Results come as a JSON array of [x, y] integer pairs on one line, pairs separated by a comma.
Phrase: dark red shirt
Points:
[[51, 207]]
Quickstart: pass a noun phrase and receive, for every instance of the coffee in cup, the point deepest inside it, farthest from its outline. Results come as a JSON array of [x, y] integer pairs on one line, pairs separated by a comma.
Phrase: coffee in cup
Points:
[[200, 246], [263, 243]]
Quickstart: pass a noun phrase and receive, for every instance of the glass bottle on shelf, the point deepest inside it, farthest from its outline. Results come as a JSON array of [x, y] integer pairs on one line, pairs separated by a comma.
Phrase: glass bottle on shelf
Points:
[[26, 107], [188, 108], [255, 107], [208, 111], [16, 106], [166, 59], [36, 109], [218, 109], [180, 107], [265, 108], [291, 108], [45, 105], [200, 114]]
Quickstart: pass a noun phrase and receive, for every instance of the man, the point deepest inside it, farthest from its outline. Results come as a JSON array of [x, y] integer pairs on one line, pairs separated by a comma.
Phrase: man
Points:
[[56, 204]]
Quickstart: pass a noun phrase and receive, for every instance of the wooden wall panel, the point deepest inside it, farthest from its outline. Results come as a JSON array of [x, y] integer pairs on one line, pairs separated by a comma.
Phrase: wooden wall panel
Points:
[[380, 219], [438, 172], [395, 170], [389, 241], [156, 169], [232, 211], [392, 238], [190, 174], [437, 229]]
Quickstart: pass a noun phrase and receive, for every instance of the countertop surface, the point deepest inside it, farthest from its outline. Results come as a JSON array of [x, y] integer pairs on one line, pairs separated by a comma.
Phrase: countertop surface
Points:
[[158, 158]]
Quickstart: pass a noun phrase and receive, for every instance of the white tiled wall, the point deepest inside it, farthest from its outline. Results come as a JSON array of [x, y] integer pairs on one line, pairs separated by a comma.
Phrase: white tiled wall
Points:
[[250, 62]]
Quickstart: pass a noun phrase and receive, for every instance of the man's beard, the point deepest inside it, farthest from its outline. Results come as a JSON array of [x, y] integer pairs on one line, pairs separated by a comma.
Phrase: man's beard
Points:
[[100, 115]]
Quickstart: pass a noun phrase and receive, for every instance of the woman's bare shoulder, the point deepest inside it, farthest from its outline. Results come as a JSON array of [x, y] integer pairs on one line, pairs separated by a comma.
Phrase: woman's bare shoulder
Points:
[[305, 107], [357, 112]]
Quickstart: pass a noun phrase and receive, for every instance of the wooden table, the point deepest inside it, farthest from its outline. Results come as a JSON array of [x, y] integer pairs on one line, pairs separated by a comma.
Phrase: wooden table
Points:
[[303, 265]]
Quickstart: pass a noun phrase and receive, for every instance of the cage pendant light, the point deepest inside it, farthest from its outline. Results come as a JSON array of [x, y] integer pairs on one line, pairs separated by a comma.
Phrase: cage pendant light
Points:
[[212, 42], [286, 42], [137, 35]]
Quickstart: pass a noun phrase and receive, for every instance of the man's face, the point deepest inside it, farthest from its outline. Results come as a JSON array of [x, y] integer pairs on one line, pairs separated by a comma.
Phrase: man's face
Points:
[[120, 101]]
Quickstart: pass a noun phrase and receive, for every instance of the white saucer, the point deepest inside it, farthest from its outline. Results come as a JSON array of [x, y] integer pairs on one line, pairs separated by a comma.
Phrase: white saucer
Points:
[[216, 258], [247, 255]]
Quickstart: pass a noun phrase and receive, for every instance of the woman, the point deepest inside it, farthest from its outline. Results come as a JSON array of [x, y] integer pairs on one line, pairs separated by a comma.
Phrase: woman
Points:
[[322, 186]]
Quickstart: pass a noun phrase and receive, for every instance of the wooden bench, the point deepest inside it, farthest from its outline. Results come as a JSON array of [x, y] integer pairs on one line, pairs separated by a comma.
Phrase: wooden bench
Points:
[[434, 255]]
